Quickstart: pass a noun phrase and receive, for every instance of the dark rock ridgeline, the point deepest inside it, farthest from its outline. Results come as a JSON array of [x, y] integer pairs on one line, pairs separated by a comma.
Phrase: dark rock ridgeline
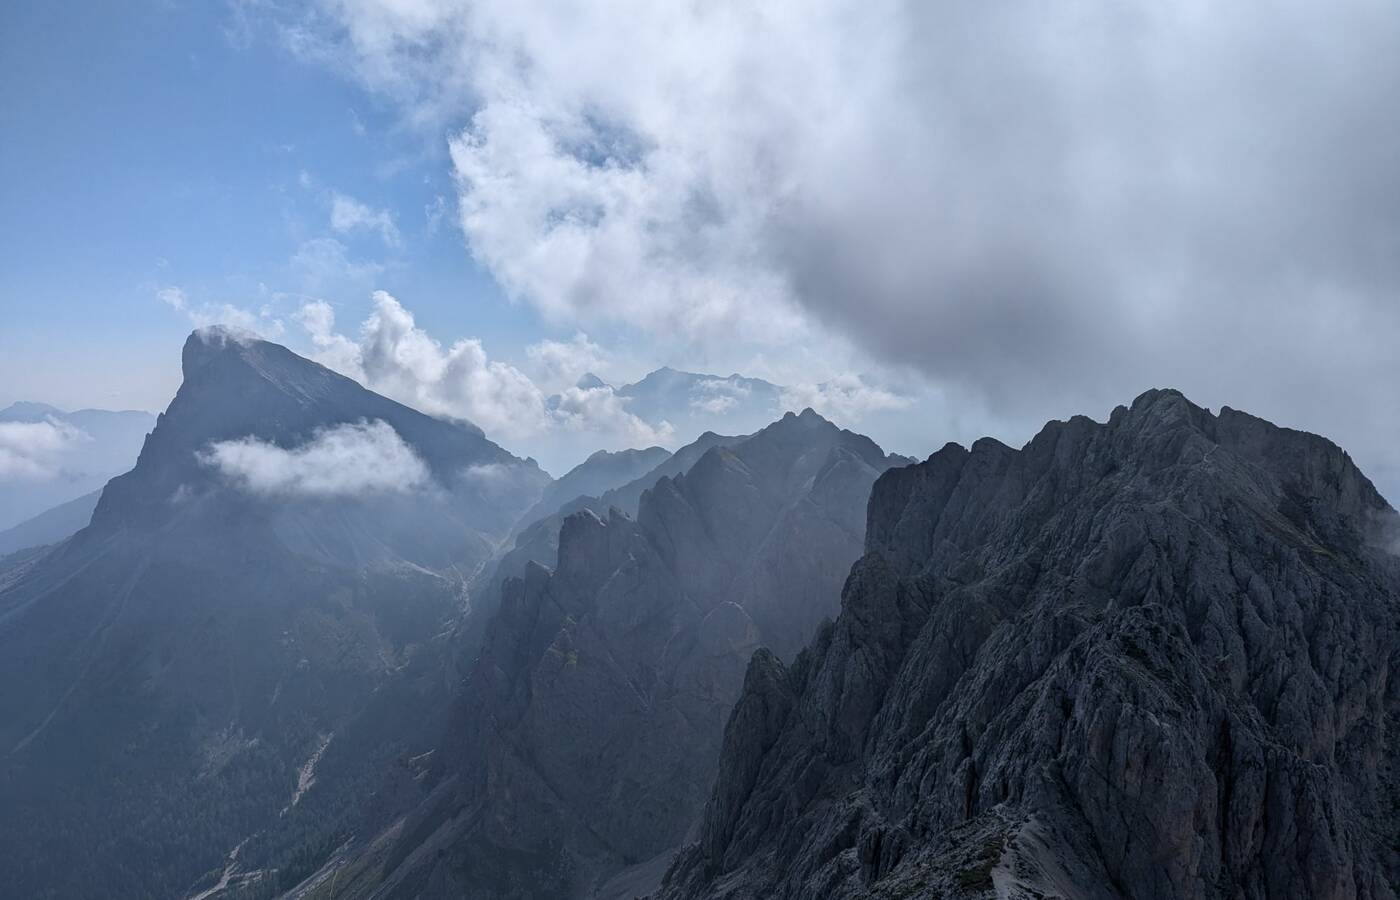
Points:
[[1149, 658], [590, 726]]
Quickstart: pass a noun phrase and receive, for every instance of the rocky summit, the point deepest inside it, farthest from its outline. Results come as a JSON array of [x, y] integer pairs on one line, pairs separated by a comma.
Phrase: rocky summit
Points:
[[1152, 658]]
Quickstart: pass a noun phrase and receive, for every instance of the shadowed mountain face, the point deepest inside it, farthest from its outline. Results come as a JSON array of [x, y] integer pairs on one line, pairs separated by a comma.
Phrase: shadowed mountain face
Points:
[[236, 389], [49, 457], [239, 598], [1153, 658], [538, 541], [588, 731]]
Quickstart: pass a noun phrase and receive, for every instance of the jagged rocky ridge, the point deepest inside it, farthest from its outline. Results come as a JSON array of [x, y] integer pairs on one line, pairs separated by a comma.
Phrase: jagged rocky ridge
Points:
[[589, 727], [1152, 658], [171, 671], [602, 471], [538, 540]]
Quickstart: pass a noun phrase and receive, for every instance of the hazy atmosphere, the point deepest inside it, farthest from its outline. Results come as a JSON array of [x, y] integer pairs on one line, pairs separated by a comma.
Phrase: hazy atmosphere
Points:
[[699, 451]]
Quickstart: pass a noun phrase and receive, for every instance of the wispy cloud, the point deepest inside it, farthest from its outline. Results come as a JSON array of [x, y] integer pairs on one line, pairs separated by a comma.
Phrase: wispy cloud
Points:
[[717, 396], [325, 261], [173, 297], [355, 459], [434, 213], [350, 215], [846, 398], [263, 321]]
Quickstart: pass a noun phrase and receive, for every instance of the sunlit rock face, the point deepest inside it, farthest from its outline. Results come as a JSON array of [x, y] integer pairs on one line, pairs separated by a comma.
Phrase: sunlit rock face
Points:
[[1150, 658]]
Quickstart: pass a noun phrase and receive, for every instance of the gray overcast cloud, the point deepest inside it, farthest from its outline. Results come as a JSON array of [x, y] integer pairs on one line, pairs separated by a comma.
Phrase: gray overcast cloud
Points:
[[1041, 208]]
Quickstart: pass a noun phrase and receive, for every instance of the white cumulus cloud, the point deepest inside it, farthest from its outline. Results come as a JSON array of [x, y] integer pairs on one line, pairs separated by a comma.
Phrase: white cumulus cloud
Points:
[[560, 364], [1042, 208], [354, 459], [333, 350], [600, 410], [394, 356], [402, 360]]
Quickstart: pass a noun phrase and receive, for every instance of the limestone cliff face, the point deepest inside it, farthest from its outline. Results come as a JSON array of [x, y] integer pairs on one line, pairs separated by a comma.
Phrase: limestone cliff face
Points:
[[1153, 658], [591, 723]]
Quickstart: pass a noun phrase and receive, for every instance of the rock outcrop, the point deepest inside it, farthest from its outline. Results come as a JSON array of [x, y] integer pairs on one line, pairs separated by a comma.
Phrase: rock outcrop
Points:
[[1152, 658], [589, 728]]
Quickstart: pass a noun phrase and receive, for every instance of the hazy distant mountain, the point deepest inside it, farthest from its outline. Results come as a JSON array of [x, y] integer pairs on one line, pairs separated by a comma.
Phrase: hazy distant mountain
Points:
[[688, 399], [1149, 658], [49, 456], [589, 726], [287, 544], [601, 472], [50, 526], [693, 403]]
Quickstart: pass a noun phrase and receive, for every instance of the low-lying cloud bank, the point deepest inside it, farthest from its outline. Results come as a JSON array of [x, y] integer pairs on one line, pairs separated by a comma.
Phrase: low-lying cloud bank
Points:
[[354, 459], [33, 451]]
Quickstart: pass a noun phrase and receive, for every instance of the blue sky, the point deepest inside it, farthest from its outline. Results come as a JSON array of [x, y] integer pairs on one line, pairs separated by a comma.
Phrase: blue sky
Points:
[[151, 144]]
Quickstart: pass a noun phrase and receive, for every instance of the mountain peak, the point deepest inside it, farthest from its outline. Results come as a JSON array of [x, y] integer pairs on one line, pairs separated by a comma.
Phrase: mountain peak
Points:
[[808, 418], [239, 387], [1166, 405], [1156, 581], [28, 410], [242, 373], [212, 341], [227, 347]]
